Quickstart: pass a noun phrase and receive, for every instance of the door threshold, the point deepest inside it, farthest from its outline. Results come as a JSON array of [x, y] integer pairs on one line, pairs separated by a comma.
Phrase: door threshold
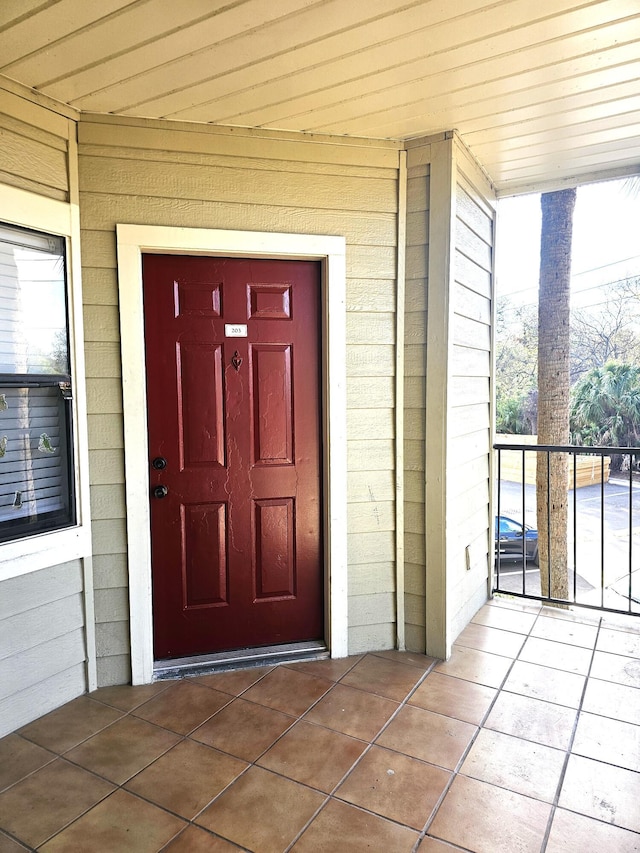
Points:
[[239, 659]]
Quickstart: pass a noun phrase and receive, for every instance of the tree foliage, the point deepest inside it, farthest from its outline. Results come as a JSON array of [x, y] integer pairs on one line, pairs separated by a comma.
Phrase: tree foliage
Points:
[[609, 331], [517, 415], [516, 350], [605, 406]]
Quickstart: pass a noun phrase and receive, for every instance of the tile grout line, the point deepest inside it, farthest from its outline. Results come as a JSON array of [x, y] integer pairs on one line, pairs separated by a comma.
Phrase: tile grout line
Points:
[[250, 764], [187, 736], [568, 753], [253, 763], [182, 739], [120, 786], [18, 841], [480, 727], [367, 749]]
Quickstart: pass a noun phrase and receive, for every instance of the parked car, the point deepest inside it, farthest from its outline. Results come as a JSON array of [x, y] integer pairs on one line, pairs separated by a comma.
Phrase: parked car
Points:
[[510, 536]]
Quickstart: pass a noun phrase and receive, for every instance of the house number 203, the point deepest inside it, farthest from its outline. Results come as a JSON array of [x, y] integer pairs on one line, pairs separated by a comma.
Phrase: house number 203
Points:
[[238, 330]]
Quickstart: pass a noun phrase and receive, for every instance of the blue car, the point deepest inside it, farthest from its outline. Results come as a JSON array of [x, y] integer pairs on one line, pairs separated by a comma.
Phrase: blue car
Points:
[[510, 537]]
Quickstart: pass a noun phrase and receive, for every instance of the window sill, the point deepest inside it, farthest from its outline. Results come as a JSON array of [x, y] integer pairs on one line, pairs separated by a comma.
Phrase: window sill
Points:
[[43, 551]]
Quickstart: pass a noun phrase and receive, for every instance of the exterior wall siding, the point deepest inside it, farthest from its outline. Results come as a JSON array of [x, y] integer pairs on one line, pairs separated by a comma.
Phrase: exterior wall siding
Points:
[[42, 644], [34, 148], [155, 173], [448, 367], [469, 426], [414, 408], [159, 173], [42, 648]]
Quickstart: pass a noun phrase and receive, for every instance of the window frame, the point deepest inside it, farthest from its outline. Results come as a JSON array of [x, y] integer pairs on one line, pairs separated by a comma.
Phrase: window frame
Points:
[[41, 550]]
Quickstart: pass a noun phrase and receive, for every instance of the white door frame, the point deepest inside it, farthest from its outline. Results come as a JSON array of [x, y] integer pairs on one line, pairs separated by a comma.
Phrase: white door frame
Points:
[[132, 241]]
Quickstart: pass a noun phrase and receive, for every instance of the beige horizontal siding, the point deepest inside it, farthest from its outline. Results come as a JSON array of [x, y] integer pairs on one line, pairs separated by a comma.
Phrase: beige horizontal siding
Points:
[[42, 647], [376, 547], [469, 441], [474, 276], [414, 517], [374, 486], [109, 536], [416, 584], [414, 424], [32, 113], [111, 605], [114, 669], [371, 295], [105, 430], [240, 163], [371, 517], [365, 327], [107, 501], [414, 634], [468, 361], [465, 416], [104, 396], [112, 638], [99, 210], [363, 638], [110, 571], [466, 301], [145, 177], [373, 423], [416, 296], [370, 360], [47, 622], [102, 360], [99, 286], [149, 136], [370, 455], [415, 392], [381, 577], [414, 455], [369, 392], [475, 471], [34, 147]]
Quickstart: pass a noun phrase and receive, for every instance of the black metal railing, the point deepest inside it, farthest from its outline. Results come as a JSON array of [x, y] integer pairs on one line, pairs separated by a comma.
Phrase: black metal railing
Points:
[[603, 527]]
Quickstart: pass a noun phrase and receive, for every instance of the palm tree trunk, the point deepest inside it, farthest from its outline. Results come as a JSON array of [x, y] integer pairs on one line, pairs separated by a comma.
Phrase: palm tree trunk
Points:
[[553, 388]]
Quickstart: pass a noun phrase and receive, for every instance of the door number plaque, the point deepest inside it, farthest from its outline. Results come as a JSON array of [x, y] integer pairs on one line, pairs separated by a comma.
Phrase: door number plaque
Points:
[[237, 330]]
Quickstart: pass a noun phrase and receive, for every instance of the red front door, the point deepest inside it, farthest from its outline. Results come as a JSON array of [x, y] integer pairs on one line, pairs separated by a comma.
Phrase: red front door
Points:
[[233, 391]]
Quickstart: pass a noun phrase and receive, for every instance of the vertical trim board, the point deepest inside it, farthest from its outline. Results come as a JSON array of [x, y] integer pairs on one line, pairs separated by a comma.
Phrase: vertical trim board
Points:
[[399, 402], [441, 230]]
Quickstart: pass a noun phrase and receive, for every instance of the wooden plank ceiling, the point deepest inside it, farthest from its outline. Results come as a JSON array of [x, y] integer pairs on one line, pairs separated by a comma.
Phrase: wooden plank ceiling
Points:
[[542, 91]]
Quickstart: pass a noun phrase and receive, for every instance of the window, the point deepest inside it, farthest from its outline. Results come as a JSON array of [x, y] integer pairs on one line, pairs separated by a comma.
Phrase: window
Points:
[[507, 525], [36, 446]]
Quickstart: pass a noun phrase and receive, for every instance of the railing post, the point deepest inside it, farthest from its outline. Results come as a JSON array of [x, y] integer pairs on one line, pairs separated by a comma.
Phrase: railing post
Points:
[[575, 527]]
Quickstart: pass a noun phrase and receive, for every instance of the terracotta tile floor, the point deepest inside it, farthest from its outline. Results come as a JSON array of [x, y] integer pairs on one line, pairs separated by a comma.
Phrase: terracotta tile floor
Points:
[[526, 740]]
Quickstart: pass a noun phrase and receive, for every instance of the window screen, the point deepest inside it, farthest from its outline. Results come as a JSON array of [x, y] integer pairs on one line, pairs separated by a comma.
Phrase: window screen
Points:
[[36, 465]]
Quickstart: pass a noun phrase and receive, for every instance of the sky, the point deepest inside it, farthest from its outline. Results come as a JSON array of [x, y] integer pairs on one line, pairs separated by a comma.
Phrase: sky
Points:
[[606, 243]]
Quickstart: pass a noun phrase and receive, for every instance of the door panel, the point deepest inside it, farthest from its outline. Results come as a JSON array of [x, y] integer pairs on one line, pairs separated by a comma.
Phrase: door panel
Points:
[[203, 534], [200, 446], [274, 537], [237, 540], [272, 405]]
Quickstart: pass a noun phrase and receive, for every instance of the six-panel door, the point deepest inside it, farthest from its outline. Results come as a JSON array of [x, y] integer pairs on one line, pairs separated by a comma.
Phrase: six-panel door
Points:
[[233, 391]]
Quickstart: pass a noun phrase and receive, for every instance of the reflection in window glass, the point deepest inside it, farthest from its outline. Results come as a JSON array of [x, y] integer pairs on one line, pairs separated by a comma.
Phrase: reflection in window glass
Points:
[[36, 479], [33, 311]]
